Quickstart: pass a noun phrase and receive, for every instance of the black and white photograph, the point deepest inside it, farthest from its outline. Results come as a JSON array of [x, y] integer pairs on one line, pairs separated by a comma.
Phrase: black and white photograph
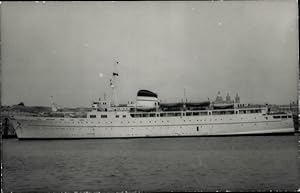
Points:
[[149, 96]]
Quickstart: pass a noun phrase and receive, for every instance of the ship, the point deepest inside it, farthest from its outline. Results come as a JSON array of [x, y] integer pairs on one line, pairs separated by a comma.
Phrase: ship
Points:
[[149, 117]]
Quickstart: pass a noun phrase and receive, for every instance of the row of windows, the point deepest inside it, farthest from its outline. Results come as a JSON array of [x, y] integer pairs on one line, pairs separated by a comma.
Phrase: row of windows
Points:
[[176, 114], [205, 113], [145, 121], [105, 116], [250, 111], [189, 120], [93, 129], [167, 121], [283, 117], [117, 116], [94, 116], [187, 114]]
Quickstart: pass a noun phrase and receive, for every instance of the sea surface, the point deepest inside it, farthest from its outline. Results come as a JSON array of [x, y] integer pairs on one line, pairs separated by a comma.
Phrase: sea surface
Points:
[[255, 163]]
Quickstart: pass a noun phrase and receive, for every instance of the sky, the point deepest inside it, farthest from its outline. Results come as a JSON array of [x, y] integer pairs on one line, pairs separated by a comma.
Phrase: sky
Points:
[[68, 49]]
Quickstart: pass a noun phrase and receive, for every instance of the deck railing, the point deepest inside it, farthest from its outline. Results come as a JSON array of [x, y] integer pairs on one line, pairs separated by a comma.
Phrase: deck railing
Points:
[[198, 112]]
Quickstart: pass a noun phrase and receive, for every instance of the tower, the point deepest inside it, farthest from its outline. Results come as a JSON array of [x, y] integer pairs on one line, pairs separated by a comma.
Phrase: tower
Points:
[[219, 98], [228, 99], [237, 98]]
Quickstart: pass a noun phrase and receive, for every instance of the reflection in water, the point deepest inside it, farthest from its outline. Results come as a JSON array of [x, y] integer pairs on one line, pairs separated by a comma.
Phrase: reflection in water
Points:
[[152, 164]]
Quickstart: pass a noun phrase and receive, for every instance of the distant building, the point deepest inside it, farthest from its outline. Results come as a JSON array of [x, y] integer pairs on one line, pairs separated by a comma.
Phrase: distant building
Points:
[[228, 98], [237, 98], [219, 98]]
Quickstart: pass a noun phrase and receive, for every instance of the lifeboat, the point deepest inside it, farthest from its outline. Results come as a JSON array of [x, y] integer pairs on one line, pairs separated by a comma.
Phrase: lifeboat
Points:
[[223, 106]]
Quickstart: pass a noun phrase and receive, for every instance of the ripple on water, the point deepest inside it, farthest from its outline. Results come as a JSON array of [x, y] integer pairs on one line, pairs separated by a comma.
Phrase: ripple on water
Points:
[[163, 164]]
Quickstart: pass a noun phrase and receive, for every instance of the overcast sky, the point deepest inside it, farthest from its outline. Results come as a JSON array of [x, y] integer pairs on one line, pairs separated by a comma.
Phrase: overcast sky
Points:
[[59, 49]]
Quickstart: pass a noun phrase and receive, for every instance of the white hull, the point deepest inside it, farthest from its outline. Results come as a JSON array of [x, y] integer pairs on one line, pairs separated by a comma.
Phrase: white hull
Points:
[[211, 125]]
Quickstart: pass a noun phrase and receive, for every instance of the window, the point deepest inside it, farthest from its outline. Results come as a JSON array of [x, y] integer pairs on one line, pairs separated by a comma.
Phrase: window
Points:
[[290, 116], [197, 128], [162, 114], [188, 114], [92, 116], [124, 116], [203, 113], [103, 116], [284, 117], [229, 112], [117, 116], [216, 112], [276, 117]]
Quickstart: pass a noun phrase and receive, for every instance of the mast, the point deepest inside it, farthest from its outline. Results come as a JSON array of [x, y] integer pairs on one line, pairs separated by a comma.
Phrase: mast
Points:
[[185, 100], [185, 96], [113, 83], [53, 106]]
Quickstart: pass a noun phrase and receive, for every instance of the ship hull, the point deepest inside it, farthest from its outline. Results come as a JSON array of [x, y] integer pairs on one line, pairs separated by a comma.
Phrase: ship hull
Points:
[[86, 128]]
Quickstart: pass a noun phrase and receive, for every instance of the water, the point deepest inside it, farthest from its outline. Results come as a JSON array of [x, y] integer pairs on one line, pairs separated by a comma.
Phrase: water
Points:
[[152, 164]]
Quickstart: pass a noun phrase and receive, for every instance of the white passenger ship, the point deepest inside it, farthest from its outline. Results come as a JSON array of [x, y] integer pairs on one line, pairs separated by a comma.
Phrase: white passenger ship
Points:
[[146, 117]]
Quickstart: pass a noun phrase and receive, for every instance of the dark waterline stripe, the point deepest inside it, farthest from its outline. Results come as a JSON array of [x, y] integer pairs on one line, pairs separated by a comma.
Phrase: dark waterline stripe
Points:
[[182, 136]]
